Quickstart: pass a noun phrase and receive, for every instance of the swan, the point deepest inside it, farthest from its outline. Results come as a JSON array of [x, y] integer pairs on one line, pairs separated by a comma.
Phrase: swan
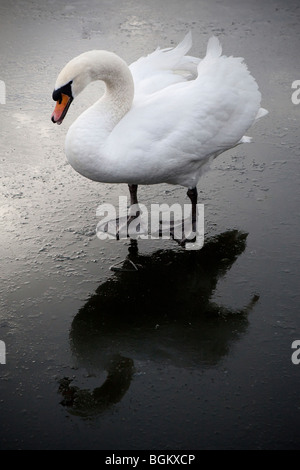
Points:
[[163, 119]]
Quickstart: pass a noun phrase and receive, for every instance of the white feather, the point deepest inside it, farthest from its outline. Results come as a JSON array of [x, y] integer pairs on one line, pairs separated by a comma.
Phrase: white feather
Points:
[[214, 48], [164, 67]]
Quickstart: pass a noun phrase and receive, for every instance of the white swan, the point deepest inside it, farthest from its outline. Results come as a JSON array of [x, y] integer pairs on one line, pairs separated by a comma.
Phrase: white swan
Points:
[[163, 119]]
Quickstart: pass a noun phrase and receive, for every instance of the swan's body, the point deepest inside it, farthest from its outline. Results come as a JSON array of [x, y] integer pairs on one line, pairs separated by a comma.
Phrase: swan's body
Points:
[[161, 120]]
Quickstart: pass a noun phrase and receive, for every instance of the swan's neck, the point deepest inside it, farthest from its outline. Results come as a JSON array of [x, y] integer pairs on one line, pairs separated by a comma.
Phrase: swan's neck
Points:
[[114, 72], [87, 136]]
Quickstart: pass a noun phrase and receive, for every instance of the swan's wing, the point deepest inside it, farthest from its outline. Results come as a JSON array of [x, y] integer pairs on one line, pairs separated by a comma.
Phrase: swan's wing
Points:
[[177, 130], [164, 67]]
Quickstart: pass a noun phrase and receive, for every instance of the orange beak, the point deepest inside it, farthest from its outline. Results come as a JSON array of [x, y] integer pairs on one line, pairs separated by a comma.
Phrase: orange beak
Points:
[[61, 109]]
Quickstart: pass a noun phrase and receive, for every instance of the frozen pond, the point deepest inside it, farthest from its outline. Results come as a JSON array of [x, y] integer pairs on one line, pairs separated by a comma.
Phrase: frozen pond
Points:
[[193, 351]]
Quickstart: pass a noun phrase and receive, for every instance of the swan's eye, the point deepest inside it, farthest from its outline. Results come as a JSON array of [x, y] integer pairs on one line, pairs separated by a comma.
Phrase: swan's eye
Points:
[[66, 90], [56, 95]]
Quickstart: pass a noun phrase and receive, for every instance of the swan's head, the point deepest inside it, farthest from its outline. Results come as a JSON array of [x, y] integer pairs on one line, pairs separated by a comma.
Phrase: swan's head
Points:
[[63, 97], [83, 69], [73, 78]]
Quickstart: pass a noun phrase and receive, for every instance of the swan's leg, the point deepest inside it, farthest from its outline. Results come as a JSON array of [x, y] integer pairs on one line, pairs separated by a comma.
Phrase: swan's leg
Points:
[[193, 195], [133, 200], [186, 237], [121, 222], [133, 193]]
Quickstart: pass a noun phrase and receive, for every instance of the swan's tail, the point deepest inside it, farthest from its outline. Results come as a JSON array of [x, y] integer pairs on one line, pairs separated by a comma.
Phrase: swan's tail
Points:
[[183, 47], [214, 48], [164, 67], [176, 58], [213, 51], [261, 113]]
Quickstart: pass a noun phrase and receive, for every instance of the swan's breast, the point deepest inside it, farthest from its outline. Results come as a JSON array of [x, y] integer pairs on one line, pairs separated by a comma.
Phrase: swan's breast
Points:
[[84, 143]]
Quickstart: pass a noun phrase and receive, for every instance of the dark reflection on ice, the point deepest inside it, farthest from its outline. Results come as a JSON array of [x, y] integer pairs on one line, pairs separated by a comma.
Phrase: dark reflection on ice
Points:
[[161, 313], [86, 402]]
